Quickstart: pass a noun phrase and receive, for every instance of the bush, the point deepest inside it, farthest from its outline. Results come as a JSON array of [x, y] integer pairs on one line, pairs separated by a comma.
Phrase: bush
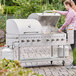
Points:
[[10, 9], [2, 36], [8, 2], [27, 7], [3, 19], [13, 68], [2, 28], [74, 56]]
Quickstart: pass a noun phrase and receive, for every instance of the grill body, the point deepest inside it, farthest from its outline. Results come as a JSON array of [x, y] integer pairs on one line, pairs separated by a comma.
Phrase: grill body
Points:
[[38, 29]]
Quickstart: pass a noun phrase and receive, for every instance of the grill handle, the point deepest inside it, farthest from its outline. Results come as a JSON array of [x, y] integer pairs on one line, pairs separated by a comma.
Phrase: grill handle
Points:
[[30, 32], [47, 11]]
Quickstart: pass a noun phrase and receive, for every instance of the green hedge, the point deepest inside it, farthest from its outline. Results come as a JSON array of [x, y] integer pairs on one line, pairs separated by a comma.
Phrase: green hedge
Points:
[[8, 2], [10, 9]]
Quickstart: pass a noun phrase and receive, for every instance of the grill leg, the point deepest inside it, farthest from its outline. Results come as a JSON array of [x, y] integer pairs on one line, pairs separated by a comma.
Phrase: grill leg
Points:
[[51, 51], [51, 54], [63, 52], [19, 53], [63, 62]]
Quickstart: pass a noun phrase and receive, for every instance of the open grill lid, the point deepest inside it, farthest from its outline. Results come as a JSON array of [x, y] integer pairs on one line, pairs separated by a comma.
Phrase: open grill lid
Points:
[[47, 20], [23, 26]]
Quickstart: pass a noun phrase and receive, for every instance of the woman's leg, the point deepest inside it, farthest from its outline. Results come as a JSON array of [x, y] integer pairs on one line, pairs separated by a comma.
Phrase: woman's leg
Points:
[[72, 46]]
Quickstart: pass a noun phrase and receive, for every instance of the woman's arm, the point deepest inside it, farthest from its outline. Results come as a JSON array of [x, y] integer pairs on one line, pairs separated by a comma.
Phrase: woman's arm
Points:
[[70, 16], [61, 12]]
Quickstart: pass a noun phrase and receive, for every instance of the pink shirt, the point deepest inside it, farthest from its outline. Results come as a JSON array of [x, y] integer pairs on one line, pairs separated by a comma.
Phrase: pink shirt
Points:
[[70, 18]]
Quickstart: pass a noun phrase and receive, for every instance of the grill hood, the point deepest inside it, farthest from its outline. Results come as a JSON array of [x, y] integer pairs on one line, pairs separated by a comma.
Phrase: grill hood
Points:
[[22, 26], [36, 23], [47, 20]]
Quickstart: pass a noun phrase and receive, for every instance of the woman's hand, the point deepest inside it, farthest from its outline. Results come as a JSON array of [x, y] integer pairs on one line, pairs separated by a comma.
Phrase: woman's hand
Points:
[[54, 11], [69, 0], [60, 30]]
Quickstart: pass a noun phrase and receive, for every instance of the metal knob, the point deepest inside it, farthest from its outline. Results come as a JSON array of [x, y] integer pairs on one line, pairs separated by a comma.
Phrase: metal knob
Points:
[[22, 41], [47, 39], [52, 39], [38, 40], [57, 39], [62, 39], [33, 40], [28, 40]]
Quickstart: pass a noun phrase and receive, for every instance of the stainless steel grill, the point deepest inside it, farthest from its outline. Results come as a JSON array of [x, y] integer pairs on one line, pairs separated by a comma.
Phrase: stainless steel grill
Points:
[[39, 29]]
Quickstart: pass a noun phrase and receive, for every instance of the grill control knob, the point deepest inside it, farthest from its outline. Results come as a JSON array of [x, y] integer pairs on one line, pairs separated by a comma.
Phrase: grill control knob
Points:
[[33, 40], [47, 39], [57, 39], [62, 39], [38, 40], [22, 41], [52, 39], [28, 40]]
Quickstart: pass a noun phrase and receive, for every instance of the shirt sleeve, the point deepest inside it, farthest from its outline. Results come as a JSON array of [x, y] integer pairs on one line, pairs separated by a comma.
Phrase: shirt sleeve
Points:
[[69, 18], [63, 12]]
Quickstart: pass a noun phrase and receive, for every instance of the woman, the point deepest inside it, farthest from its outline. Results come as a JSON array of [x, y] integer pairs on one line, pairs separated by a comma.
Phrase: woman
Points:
[[70, 20]]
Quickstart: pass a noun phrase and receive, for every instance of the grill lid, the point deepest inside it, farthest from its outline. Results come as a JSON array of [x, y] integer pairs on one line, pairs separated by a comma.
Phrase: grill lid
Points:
[[47, 20], [23, 26]]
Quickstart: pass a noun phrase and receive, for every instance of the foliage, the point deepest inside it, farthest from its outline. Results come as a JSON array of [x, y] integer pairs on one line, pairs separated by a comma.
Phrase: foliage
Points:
[[2, 28], [13, 68], [2, 36], [7, 2], [74, 56], [2, 24], [27, 7], [10, 9]]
